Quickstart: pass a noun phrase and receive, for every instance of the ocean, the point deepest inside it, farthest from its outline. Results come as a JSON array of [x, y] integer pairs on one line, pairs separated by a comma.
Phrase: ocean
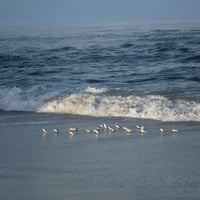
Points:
[[141, 70]]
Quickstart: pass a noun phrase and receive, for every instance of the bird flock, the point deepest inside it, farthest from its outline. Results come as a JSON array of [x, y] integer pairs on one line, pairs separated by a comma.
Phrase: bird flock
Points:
[[105, 128]]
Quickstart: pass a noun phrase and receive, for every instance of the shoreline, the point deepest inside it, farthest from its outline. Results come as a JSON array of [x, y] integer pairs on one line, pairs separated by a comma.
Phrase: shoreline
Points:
[[110, 166]]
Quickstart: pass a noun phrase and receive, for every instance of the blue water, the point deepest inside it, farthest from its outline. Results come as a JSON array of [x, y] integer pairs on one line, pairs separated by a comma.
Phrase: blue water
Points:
[[142, 70]]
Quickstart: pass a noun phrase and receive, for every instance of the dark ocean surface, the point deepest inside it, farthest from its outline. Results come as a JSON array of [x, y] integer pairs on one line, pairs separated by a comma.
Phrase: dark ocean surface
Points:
[[141, 70]]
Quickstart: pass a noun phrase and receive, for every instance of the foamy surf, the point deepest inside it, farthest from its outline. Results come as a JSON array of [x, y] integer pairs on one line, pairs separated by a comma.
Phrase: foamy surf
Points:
[[98, 102], [95, 90], [150, 107]]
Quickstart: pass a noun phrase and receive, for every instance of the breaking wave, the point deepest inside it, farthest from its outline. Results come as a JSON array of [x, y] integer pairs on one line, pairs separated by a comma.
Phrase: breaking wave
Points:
[[152, 107], [97, 102]]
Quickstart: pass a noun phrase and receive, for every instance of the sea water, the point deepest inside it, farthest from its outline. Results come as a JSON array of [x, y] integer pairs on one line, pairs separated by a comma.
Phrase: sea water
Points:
[[139, 70]]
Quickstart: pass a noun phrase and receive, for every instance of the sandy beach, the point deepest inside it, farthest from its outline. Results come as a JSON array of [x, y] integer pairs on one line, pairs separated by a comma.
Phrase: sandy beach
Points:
[[112, 165]]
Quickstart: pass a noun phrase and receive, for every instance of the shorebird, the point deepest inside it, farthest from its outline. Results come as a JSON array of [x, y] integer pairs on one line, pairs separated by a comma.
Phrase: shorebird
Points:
[[88, 130], [111, 129], [175, 130], [162, 131], [137, 126], [73, 129], [142, 129], [44, 131], [96, 131], [142, 132], [128, 130], [105, 126], [117, 126], [56, 131], [101, 126], [71, 133]]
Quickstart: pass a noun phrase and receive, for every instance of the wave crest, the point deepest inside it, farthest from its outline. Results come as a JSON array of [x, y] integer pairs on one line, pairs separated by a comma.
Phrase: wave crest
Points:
[[151, 107], [94, 90], [99, 102]]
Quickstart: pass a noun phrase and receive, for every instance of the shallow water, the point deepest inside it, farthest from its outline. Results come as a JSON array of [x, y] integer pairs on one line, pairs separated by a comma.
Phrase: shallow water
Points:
[[110, 166]]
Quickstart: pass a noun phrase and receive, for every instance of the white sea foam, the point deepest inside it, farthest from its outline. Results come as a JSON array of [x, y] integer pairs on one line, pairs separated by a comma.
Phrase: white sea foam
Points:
[[94, 90], [94, 102], [16, 99], [152, 107], [11, 99]]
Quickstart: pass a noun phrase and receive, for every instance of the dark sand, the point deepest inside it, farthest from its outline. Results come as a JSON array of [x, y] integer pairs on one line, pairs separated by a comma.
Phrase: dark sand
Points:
[[111, 166]]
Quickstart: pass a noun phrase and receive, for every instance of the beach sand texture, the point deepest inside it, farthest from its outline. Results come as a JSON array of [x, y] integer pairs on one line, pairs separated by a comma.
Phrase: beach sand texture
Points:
[[110, 165]]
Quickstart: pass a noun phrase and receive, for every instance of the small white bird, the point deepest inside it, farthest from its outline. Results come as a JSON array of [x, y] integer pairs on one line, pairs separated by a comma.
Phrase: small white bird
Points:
[[101, 126], [44, 131], [88, 130], [56, 131], [142, 132], [175, 130], [105, 126], [162, 130], [117, 126], [73, 129], [96, 131], [137, 126], [142, 129], [71, 133], [111, 129], [128, 130]]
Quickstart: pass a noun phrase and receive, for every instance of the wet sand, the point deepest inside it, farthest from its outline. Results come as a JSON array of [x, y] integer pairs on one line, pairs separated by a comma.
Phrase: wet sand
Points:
[[85, 166]]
